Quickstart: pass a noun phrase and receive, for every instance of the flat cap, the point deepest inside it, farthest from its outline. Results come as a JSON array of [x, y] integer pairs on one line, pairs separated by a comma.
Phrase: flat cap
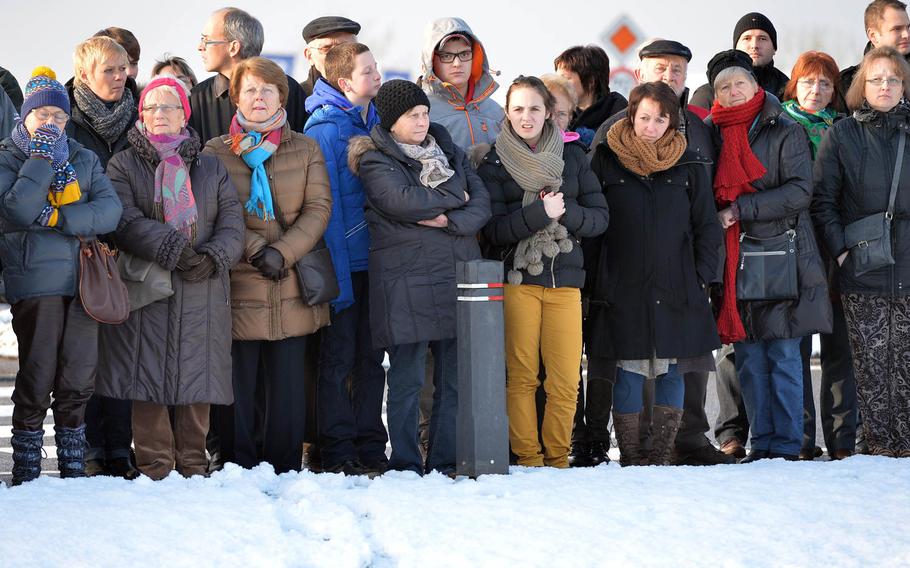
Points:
[[729, 58], [329, 25], [665, 47]]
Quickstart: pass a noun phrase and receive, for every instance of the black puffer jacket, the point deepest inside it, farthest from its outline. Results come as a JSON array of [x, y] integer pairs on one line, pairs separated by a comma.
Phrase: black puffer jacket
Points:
[[80, 127], [854, 170], [649, 290], [586, 122], [412, 267], [780, 203], [586, 216], [176, 350]]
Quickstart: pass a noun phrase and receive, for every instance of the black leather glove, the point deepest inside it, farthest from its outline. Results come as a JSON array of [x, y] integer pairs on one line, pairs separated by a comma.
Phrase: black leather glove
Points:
[[188, 259], [202, 271], [270, 263]]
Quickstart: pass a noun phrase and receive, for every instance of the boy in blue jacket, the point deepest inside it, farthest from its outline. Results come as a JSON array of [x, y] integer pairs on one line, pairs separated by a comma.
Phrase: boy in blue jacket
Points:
[[352, 436]]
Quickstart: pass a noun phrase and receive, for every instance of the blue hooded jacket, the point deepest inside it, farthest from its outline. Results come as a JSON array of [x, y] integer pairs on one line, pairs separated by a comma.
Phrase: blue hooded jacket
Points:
[[333, 121]]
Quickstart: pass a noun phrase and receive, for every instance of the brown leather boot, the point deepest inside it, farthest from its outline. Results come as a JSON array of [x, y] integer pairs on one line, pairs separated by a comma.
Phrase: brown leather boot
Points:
[[664, 426], [627, 437], [733, 447]]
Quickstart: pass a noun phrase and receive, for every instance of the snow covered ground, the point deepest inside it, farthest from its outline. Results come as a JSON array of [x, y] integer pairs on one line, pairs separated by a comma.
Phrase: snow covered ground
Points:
[[772, 513]]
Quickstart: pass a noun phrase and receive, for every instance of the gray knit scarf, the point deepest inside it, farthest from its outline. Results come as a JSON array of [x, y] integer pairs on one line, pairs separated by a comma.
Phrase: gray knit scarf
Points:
[[535, 172], [109, 123], [436, 168]]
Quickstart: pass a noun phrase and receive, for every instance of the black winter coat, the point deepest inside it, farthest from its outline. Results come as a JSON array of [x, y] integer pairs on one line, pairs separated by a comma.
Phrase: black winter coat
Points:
[[769, 78], [781, 203], [176, 350], [586, 216], [412, 267], [9, 84], [80, 127], [853, 174], [586, 122], [649, 290], [213, 110]]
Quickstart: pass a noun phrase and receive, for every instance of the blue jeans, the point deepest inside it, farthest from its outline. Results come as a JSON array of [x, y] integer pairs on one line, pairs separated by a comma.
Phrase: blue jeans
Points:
[[669, 390], [771, 375], [350, 419], [405, 377]]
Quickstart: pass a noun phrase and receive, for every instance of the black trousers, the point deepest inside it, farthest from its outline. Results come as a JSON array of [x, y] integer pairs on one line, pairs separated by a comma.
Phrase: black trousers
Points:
[[838, 388], [58, 354], [281, 371], [691, 435], [108, 428]]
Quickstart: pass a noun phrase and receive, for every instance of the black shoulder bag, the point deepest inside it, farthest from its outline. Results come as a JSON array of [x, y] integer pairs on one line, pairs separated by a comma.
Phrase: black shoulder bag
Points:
[[315, 271], [869, 239]]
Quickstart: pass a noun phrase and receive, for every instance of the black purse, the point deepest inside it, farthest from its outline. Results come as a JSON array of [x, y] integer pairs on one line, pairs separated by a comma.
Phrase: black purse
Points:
[[767, 268], [315, 270], [869, 239]]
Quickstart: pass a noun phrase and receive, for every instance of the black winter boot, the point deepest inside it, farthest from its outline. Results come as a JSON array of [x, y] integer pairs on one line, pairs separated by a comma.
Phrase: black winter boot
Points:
[[70, 451], [26, 455], [627, 437], [664, 426]]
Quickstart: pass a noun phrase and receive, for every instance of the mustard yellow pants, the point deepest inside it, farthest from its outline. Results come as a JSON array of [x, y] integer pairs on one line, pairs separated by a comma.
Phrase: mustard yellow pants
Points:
[[542, 324]]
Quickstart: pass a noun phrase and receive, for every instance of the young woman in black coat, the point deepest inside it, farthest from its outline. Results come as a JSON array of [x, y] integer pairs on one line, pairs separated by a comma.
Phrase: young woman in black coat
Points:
[[544, 199], [650, 309]]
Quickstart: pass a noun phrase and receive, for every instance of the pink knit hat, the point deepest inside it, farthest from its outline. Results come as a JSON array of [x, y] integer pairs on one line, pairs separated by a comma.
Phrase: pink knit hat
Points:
[[170, 82]]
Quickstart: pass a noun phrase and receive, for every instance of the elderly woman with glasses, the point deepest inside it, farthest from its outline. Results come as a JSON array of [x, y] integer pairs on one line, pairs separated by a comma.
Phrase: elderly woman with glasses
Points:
[[53, 193], [282, 181], [862, 212], [181, 214]]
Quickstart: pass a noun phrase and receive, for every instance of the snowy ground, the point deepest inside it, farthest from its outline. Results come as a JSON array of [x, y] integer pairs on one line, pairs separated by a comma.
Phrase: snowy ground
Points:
[[773, 513]]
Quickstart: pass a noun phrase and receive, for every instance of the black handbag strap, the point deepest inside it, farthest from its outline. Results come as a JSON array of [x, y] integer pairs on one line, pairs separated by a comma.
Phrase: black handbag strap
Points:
[[892, 197]]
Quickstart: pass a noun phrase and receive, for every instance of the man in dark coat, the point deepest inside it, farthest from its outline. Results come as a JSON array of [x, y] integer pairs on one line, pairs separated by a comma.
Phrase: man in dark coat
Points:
[[11, 86], [668, 61], [321, 35], [887, 24], [229, 36], [755, 34]]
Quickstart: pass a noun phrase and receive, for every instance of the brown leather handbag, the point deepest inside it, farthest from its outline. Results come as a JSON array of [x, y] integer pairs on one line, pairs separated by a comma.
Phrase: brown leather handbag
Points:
[[103, 294]]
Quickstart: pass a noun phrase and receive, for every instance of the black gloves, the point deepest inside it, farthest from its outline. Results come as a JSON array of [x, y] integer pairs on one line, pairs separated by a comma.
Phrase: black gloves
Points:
[[270, 263], [188, 259], [203, 270]]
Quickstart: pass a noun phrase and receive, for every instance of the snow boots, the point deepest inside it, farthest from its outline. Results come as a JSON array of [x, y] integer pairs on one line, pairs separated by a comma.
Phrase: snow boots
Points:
[[627, 437], [664, 426], [70, 451], [26, 455]]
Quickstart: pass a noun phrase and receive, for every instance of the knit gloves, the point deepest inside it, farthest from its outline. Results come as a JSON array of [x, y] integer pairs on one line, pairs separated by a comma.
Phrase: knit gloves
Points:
[[195, 267], [42, 142]]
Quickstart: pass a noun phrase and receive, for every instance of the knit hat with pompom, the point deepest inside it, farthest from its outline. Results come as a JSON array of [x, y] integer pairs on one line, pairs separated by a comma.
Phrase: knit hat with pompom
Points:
[[43, 89]]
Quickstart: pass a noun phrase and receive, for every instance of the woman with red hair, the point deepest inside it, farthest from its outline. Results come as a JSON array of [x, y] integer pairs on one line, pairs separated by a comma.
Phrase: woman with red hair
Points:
[[811, 98]]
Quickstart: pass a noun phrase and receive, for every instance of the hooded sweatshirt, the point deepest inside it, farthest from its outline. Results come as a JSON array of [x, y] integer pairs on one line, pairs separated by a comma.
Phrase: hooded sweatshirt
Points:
[[472, 121]]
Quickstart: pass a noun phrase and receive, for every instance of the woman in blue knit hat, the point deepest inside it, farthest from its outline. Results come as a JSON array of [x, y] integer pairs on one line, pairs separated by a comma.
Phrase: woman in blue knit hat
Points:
[[52, 193]]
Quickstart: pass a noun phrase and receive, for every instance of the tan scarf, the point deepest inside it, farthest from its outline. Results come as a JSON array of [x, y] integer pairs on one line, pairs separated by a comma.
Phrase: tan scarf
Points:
[[645, 158], [534, 172]]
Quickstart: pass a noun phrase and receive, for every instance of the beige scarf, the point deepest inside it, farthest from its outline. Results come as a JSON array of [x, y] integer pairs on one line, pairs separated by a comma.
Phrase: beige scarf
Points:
[[535, 172], [645, 158]]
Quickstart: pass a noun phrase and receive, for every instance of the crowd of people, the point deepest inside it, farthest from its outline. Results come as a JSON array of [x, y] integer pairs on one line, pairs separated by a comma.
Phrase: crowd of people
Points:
[[646, 243]]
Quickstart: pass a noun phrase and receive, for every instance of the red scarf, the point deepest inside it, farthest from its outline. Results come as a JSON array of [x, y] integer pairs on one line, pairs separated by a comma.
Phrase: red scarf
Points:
[[737, 167]]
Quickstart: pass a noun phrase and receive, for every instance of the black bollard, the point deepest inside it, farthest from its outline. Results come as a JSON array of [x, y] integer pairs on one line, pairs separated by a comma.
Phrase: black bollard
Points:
[[482, 427]]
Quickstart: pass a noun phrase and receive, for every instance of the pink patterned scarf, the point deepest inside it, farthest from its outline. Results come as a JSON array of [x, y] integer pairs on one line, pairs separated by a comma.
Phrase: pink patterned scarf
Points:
[[173, 190]]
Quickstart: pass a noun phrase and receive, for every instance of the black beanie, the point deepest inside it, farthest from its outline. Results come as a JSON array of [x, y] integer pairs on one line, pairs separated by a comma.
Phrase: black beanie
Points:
[[755, 21], [397, 97], [729, 58]]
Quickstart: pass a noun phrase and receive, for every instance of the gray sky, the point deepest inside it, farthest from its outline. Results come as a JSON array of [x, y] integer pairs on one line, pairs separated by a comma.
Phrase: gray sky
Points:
[[520, 37]]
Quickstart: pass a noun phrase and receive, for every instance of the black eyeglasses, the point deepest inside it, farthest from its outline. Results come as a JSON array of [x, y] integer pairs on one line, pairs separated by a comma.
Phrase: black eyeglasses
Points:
[[448, 57]]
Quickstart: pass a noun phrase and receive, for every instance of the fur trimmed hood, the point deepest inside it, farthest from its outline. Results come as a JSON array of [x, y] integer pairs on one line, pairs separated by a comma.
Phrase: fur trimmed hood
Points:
[[357, 147]]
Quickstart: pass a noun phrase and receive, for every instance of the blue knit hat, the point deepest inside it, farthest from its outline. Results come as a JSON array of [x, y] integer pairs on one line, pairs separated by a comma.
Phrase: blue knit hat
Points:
[[43, 89]]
